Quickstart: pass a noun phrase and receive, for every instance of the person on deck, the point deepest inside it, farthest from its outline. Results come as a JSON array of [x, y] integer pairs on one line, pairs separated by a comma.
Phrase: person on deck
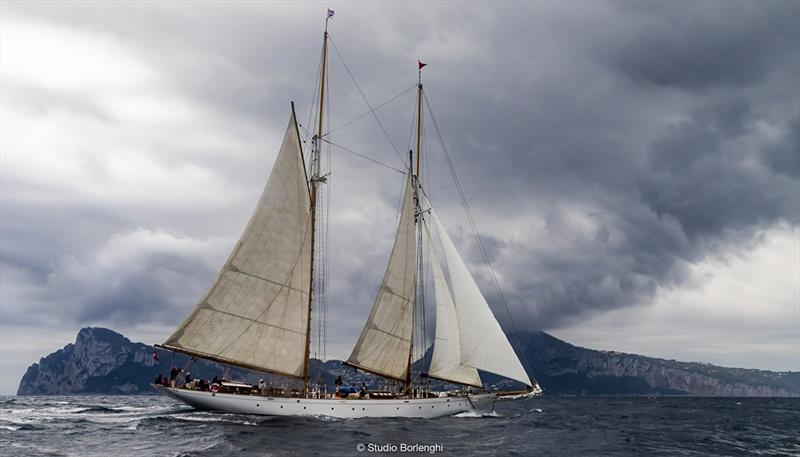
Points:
[[262, 387], [173, 374], [188, 379], [338, 382], [363, 392]]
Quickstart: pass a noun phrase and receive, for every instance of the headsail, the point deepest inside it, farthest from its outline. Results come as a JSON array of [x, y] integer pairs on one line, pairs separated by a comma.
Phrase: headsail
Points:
[[385, 342], [446, 358], [256, 313], [484, 346]]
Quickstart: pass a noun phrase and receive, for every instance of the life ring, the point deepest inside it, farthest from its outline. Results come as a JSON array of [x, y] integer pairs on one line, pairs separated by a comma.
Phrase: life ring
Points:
[[215, 387]]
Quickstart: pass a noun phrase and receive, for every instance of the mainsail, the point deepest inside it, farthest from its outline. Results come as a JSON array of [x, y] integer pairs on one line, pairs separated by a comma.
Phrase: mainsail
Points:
[[446, 358], [484, 346], [256, 313], [385, 342]]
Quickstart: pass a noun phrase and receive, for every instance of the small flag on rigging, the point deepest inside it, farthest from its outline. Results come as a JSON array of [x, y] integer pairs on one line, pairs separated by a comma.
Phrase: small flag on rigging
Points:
[[330, 13], [421, 64]]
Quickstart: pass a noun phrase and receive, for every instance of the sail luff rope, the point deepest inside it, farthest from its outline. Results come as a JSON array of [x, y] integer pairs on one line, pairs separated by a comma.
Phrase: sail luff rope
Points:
[[422, 346], [420, 180], [481, 246], [326, 229]]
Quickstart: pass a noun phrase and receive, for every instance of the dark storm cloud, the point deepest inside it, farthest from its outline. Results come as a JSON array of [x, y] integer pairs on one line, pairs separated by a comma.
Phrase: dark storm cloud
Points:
[[783, 157], [699, 175], [604, 147], [676, 167], [705, 45]]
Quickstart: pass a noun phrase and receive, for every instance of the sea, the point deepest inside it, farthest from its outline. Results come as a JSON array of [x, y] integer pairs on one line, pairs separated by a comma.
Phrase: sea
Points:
[[547, 426]]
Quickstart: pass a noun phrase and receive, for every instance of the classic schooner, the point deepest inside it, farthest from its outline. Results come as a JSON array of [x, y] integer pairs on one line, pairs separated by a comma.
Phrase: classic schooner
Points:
[[258, 312]]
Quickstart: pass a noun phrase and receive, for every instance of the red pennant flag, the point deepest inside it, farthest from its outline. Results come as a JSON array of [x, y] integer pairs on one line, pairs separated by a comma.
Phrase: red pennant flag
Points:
[[421, 64]]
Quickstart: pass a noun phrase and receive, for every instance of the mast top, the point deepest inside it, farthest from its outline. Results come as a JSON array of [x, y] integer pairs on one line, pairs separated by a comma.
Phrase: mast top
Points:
[[420, 65], [330, 15]]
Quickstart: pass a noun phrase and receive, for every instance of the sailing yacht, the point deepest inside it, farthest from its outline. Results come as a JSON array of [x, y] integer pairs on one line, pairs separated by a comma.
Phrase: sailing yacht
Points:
[[258, 312]]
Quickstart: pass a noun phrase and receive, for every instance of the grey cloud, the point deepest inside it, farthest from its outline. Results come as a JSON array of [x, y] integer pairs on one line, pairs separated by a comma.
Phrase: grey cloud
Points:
[[646, 122], [705, 44], [703, 178], [784, 156]]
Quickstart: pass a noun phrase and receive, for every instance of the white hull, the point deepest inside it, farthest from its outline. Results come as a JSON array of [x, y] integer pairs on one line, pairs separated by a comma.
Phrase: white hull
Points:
[[336, 407]]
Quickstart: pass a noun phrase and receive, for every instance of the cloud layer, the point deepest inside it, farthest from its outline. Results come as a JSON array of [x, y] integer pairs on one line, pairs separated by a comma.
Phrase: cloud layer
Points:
[[606, 149]]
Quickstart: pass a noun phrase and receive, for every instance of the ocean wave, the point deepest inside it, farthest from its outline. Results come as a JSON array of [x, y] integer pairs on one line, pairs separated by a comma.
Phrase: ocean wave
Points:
[[478, 415], [19, 426], [557, 426], [213, 419], [99, 409]]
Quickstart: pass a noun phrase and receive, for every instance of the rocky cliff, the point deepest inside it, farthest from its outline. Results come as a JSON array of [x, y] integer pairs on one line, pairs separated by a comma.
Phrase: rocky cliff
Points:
[[562, 368], [99, 362], [104, 362]]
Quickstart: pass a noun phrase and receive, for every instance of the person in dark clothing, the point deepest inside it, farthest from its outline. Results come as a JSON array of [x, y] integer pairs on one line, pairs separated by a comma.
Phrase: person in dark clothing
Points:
[[159, 379], [363, 392], [338, 382], [215, 380], [188, 378]]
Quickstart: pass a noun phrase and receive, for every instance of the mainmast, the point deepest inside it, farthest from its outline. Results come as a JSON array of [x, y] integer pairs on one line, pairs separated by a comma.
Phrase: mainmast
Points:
[[316, 179], [415, 169]]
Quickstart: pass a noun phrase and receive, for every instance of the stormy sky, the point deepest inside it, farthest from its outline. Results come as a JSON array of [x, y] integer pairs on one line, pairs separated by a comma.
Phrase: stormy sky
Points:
[[633, 168]]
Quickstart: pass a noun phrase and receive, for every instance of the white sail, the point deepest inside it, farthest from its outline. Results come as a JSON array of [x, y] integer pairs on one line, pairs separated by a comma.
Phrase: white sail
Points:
[[256, 313], [385, 342], [446, 358], [484, 346]]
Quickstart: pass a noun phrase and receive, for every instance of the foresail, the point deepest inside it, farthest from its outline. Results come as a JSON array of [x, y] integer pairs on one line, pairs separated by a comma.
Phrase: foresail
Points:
[[385, 342], [484, 346], [446, 358], [256, 312]]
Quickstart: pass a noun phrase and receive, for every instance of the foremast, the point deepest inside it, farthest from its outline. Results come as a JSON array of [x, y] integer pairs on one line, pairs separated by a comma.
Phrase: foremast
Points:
[[315, 180], [263, 295]]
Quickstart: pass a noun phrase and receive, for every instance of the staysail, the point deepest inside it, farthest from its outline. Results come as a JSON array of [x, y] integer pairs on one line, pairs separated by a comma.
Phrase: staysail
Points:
[[385, 342], [484, 346], [446, 358], [256, 313]]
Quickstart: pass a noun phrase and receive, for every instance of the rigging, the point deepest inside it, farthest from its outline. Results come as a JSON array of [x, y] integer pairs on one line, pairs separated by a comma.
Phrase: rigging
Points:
[[372, 110], [474, 228]]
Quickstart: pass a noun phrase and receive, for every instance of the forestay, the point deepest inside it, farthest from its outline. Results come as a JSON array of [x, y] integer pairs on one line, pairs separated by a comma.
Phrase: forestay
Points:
[[385, 342], [484, 346], [256, 313]]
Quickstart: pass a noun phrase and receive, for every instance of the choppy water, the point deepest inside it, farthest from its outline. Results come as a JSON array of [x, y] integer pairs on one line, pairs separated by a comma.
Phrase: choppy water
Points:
[[552, 426]]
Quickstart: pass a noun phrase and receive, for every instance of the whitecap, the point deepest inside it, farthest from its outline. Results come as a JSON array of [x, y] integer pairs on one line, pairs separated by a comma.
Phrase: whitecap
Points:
[[474, 414]]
